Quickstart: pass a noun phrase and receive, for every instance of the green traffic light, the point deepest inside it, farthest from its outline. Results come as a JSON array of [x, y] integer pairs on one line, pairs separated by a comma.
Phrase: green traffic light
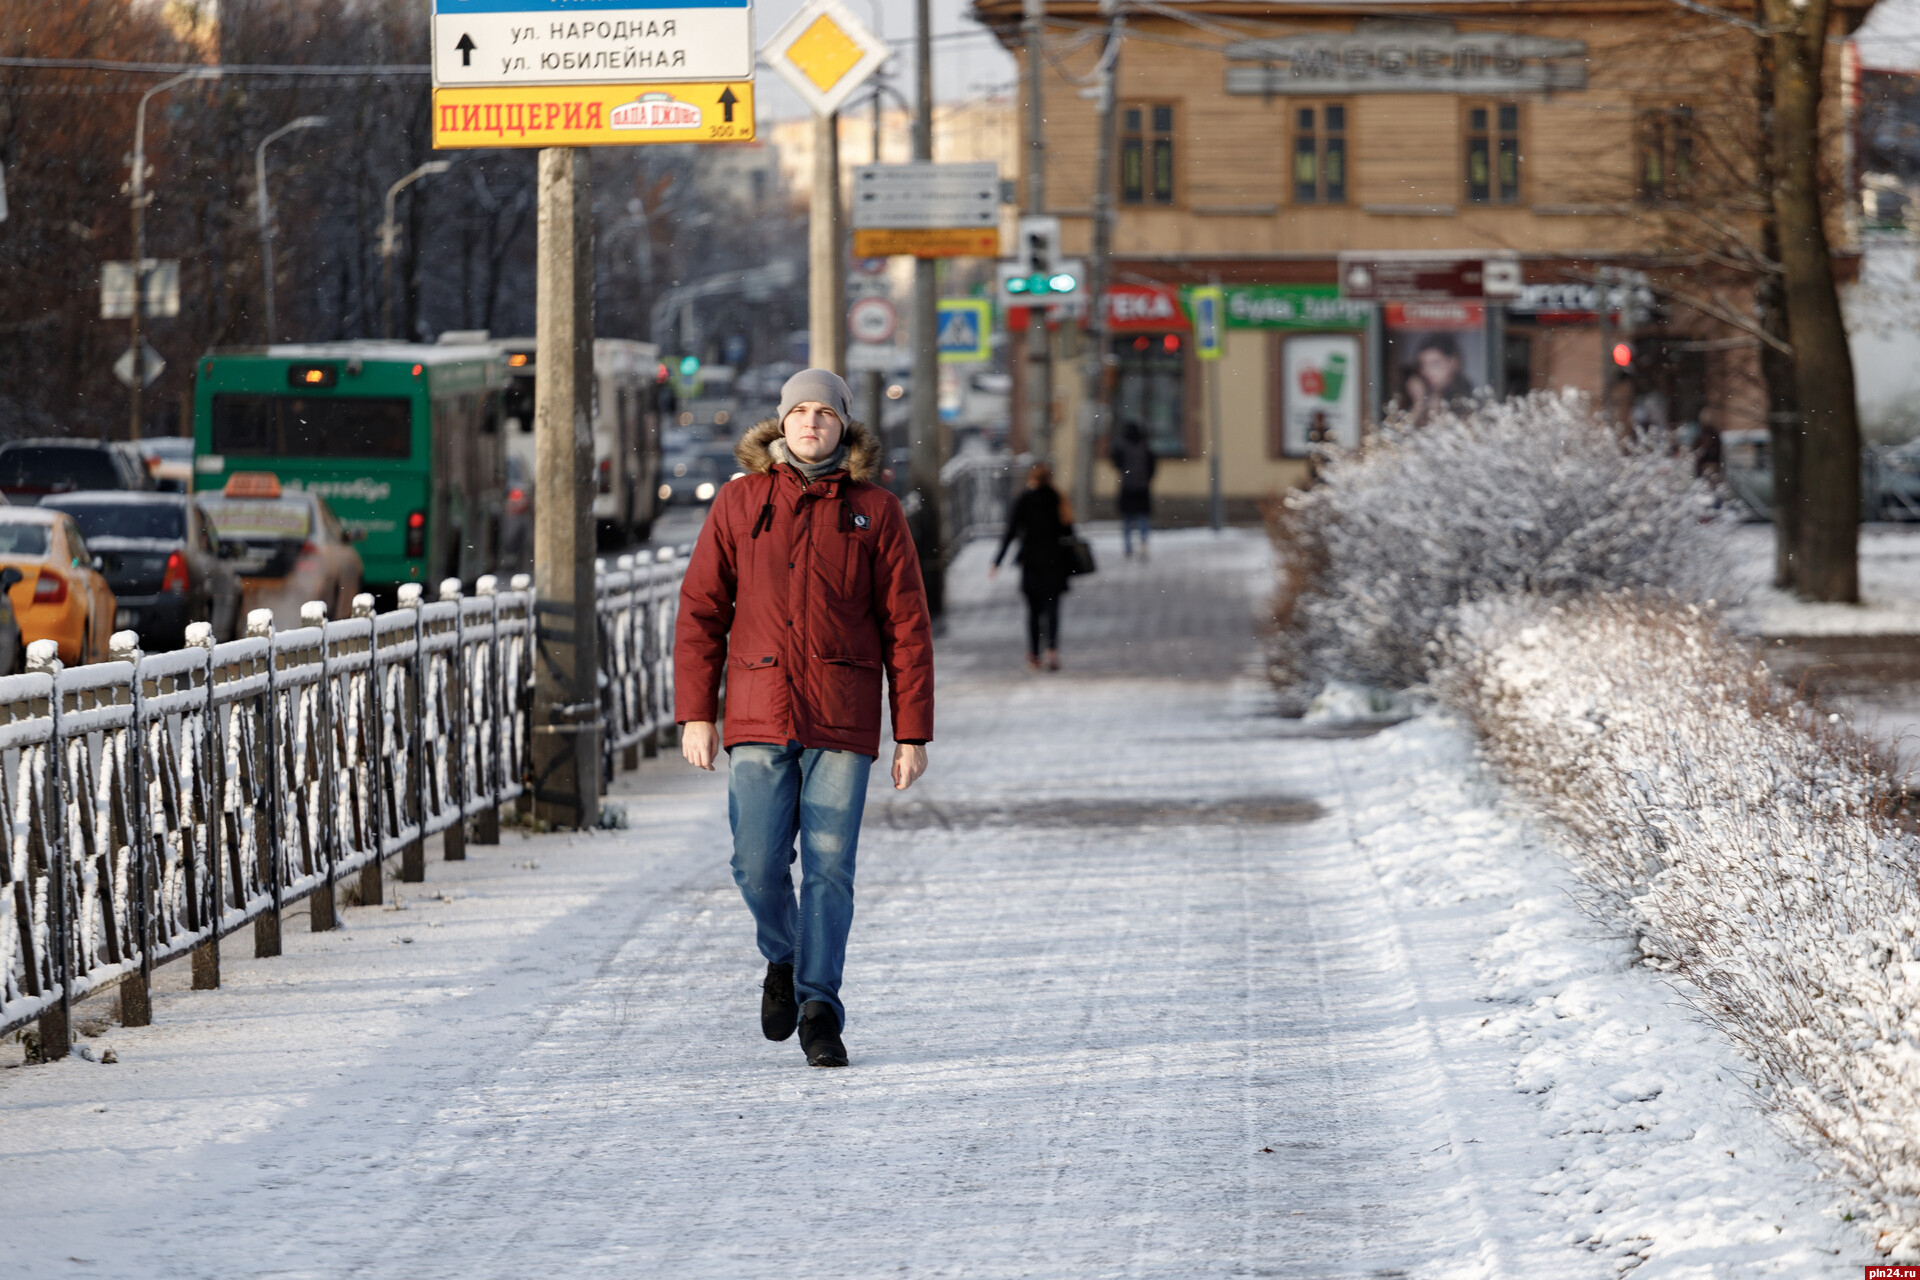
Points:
[[1062, 283], [689, 365]]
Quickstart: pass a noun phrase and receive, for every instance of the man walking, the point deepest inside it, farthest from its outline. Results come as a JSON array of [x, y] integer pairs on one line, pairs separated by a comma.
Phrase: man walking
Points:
[[803, 587]]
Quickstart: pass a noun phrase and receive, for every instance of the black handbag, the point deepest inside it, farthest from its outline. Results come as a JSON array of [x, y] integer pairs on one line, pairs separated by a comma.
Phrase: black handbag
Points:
[[1077, 552]]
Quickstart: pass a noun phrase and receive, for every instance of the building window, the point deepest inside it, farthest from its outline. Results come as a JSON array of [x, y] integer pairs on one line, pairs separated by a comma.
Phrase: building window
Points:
[[1150, 388], [1146, 154], [1320, 154], [1663, 168], [1493, 153]]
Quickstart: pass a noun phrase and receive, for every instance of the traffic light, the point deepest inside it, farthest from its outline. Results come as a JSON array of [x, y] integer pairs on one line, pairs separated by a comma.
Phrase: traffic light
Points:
[[1039, 269], [1049, 283], [1623, 355], [689, 365]]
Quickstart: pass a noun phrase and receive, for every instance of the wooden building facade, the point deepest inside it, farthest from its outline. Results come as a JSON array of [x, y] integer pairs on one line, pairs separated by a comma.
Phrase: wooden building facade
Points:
[[1408, 201]]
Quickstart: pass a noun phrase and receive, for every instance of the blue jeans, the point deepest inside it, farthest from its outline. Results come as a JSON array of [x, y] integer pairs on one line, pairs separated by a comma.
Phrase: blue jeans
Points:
[[774, 793], [1129, 526]]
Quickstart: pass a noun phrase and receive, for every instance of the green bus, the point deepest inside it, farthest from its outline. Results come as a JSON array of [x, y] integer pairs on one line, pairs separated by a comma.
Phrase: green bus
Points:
[[403, 441]]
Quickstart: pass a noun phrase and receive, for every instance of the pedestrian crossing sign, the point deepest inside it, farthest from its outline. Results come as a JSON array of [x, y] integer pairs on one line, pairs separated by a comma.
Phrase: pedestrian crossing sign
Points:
[[964, 334], [1206, 305]]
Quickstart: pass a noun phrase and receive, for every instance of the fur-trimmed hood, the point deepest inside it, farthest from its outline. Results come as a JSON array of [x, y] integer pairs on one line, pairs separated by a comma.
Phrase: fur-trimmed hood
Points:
[[863, 450]]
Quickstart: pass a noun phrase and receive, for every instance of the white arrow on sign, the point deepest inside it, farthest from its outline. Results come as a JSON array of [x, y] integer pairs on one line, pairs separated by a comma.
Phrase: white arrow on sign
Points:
[[503, 43], [154, 366]]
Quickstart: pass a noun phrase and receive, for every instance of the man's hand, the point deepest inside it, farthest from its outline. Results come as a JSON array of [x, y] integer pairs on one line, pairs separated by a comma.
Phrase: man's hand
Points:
[[909, 762], [700, 742]]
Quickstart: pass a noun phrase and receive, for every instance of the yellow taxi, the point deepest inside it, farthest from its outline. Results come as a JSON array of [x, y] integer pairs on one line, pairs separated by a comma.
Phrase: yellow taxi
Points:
[[286, 545], [61, 594]]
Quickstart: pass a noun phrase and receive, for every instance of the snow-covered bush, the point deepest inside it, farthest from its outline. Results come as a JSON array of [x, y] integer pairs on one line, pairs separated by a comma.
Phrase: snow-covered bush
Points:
[[1746, 836], [1535, 495]]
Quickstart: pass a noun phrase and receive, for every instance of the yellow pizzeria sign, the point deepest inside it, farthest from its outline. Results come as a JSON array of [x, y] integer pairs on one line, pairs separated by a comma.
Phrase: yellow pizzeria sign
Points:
[[593, 115]]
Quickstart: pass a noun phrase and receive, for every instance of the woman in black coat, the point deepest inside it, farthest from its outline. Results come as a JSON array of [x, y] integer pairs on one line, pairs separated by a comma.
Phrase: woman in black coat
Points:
[[1040, 519]]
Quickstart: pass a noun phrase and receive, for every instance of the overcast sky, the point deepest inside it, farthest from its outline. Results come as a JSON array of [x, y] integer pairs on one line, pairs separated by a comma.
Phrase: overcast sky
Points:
[[967, 64]]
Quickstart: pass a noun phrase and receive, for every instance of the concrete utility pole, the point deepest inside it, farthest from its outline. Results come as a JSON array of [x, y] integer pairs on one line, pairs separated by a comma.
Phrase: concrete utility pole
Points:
[[138, 197], [1039, 381], [876, 380], [826, 261], [566, 699], [390, 243], [929, 453], [1096, 407], [266, 206]]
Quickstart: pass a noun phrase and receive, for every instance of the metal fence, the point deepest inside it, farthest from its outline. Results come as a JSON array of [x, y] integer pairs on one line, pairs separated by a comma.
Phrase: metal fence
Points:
[[154, 803], [979, 487]]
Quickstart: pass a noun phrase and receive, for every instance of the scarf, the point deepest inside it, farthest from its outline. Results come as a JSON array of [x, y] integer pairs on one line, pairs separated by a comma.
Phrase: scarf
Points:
[[811, 470]]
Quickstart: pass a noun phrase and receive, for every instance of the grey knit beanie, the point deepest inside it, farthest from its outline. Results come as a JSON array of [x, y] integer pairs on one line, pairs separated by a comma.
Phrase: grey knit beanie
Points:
[[823, 386]]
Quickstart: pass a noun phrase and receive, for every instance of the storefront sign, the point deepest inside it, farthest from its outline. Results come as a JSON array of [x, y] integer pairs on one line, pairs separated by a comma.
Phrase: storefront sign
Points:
[[592, 115], [1294, 306], [1407, 57], [1151, 308], [1414, 279], [1551, 304]]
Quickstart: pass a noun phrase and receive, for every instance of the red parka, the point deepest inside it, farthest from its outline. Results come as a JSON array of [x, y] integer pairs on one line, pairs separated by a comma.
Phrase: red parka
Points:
[[802, 594]]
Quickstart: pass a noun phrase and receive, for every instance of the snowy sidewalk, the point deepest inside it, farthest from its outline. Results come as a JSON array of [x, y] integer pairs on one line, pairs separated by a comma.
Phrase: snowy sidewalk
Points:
[[1142, 983]]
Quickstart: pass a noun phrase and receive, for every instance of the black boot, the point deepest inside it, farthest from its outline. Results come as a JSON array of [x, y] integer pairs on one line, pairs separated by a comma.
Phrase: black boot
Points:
[[820, 1035], [778, 1012]]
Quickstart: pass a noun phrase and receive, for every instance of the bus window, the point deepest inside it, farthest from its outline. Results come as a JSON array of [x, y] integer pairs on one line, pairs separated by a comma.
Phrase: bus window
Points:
[[254, 426]]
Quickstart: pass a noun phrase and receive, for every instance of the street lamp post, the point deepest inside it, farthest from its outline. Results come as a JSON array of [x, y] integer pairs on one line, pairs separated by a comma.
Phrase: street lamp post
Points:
[[266, 206], [137, 193], [389, 238]]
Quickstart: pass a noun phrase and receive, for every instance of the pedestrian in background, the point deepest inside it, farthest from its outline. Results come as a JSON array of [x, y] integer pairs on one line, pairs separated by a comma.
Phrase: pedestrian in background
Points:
[[1042, 520], [1133, 459], [803, 587]]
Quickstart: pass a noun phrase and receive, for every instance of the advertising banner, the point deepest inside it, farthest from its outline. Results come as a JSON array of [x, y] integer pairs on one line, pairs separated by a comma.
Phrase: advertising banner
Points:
[[1320, 380], [1436, 353]]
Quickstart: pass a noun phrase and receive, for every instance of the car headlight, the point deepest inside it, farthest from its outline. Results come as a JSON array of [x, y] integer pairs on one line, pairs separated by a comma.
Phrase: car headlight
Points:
[[666, 493], [705, 492]]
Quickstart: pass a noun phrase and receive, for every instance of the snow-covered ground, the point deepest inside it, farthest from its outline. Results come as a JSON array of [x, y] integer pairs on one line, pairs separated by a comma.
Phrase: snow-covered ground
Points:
[[1889, 588], [1144, 982]]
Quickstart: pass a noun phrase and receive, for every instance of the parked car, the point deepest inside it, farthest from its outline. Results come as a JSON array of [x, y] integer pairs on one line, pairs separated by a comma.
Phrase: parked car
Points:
[[32, 469], [286, 545], [60, 594], [169, 460], [160, 557]]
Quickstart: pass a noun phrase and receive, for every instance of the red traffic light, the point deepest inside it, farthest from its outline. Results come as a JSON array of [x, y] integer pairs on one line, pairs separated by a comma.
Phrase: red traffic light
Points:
[[1622, 354]]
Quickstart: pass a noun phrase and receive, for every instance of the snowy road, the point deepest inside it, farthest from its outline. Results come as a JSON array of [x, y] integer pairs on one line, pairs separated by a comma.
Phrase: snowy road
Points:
[[1142, 984]]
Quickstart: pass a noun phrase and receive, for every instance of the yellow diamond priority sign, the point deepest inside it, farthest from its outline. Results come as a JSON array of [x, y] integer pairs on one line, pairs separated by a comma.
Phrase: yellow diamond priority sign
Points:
[[825, 53]]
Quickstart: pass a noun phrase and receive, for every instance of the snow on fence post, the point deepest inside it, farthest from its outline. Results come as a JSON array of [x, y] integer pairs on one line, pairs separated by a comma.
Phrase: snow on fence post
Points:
[[413, 859], [43, 656], [206, 806], [266, 927], [523, 583], [378, 767], [322, 906], [453, 845], [136, 1003], [486, 823]]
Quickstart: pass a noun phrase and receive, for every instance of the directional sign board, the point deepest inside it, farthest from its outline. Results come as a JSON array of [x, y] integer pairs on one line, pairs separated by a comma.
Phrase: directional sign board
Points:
[[926, 210], [593, 115], [528, 43], [159, 283], [825, 53], [964, 333]]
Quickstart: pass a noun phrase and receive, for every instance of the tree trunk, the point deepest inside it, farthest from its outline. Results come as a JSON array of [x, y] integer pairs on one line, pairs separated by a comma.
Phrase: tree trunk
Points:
[[1776, 367], [1827, 565]]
